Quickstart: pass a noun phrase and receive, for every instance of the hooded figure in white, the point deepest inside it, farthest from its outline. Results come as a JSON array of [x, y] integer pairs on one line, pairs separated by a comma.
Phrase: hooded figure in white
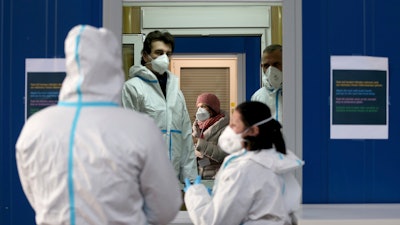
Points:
[[89, 161], [271, 92], [251, 187], [142, 93]]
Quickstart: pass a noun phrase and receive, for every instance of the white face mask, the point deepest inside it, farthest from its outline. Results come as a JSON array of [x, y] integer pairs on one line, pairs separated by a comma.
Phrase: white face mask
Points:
[[160, 64], [231, 142], [202, 114], [272, 78]]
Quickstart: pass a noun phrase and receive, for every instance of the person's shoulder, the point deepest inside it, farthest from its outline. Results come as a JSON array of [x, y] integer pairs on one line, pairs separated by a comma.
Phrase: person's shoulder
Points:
[[43, 122], [181, 97], [43, 114], [136, 69], [241, 168], [237, 161], [259, 93], [134, 80], [172, 75]]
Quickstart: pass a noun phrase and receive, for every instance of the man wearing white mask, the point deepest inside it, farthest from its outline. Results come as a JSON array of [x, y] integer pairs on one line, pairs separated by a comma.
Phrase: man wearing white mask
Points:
[[152, 89], [271, 91]]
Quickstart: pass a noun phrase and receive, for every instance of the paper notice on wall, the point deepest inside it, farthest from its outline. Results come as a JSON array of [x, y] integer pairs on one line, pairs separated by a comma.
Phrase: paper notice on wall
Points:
[[43, 79], [359, 97]]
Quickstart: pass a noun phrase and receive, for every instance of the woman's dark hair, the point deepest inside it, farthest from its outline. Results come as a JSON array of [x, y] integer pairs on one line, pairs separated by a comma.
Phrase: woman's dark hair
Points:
[[269, 135], [157, 35]]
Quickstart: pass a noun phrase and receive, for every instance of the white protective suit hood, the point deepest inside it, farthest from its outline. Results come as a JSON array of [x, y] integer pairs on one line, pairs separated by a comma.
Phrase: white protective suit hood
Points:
[[280, 163], [284, 165], [84, 81], [142, 72]]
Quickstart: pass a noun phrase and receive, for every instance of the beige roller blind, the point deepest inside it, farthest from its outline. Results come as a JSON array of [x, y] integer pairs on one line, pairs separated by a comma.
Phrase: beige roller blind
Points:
[[276, 25], [127, 58], [195, 81]]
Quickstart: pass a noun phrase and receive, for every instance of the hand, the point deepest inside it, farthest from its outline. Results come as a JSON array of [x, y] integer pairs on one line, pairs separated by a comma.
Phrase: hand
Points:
[[198, 154], [188, 184]]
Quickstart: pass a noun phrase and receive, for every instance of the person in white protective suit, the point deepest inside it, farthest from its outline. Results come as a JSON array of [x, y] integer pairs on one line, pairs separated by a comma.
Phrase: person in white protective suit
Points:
[[154, 90], [87, 160], [271, 91], [255, 184]]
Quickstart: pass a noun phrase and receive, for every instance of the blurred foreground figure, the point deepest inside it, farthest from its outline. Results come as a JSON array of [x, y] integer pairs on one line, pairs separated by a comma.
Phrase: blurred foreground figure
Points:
[[89, 161]]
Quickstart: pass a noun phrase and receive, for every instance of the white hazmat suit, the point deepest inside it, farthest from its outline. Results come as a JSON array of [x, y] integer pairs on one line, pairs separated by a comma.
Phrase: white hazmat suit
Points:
[[89, 161], [143, 93], [271, 92], [251, 187]]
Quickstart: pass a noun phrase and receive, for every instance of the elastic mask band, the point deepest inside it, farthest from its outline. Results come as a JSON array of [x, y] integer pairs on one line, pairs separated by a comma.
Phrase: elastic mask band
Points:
[[257, 124], [263, 121]]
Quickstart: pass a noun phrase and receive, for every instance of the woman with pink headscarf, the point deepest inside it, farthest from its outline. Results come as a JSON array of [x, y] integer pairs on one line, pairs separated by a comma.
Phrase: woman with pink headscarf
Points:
[[208, 126]]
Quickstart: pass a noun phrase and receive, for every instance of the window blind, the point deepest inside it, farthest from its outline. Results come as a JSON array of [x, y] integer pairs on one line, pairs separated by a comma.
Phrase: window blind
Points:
[[194, 81]]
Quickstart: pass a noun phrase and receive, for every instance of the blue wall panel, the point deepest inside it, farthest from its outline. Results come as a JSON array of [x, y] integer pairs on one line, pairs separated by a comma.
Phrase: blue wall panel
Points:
[[345, 26], [385, 164], [347, 178], [315, 101], [336, 171], [29, 29], [4, 112], [348, 171]]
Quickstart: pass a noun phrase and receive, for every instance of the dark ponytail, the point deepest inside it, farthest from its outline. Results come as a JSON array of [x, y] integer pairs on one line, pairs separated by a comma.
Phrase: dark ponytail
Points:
[[269, 133], [277, 137]]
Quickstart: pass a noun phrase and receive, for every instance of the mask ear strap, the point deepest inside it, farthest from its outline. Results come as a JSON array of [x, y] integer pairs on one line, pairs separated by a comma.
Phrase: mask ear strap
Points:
[[262, 121], [257, 124]]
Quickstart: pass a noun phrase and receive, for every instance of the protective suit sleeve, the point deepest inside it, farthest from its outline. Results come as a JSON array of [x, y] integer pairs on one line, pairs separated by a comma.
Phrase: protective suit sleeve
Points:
[[22, 171], [130, 97], [211, 150], [228, 205], [188, 168], [159, 184]]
